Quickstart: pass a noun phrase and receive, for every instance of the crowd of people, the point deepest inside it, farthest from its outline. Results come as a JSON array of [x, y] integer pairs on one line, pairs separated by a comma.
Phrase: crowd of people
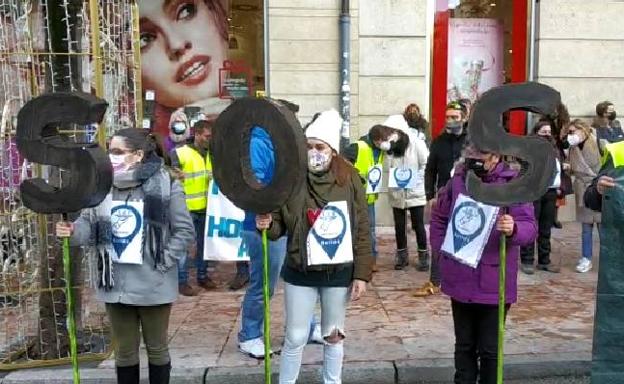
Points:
[[172, 187]]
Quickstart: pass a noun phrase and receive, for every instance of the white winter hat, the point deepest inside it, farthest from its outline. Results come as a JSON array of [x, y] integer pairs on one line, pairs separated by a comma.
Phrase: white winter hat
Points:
[[326, 127], [397, 122]]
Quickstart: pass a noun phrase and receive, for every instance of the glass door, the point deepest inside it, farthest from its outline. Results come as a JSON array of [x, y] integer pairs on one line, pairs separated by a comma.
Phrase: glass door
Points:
[[477, 45]]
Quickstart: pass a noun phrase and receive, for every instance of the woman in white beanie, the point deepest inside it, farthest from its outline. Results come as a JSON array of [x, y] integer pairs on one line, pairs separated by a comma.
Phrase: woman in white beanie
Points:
[[328, 253], [407, 155]]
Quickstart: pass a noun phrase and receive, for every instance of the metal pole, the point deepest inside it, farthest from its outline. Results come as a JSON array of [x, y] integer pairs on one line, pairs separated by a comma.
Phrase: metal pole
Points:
[[267, 307], [345, 73]]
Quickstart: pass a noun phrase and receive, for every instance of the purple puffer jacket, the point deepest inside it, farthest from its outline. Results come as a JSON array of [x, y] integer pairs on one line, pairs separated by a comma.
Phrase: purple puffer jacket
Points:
[[480, 285]]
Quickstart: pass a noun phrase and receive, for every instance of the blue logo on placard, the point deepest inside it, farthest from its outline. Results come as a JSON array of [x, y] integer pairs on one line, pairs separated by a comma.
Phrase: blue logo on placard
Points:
[[374, 177], [403, 176], [126, 222], [329, 229], [468, 223]]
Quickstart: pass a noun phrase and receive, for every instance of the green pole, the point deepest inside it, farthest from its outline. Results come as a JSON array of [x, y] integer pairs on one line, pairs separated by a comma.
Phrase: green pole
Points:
[[501, 308], [73, 344], [267, 308]]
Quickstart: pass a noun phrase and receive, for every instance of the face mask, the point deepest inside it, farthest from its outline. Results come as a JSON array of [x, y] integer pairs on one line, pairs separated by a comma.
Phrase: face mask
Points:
[[477, 166], [612, 116], [118, 162], [454, 127], [178, 128], [318, 161], [573, 139], [385, 146]]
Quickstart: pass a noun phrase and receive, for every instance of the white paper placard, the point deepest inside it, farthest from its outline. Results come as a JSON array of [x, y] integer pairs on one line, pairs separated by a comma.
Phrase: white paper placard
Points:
[[405, 178], [329, 240], [469, 230], [223, 235], [127, 232], [373, 180]]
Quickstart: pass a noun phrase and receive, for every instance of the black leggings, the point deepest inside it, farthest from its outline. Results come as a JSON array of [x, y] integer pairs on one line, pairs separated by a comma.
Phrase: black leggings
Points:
[[417, 215], [476, 342]]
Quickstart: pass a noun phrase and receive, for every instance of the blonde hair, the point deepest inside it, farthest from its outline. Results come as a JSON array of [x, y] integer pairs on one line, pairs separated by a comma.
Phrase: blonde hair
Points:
[[588, 131]]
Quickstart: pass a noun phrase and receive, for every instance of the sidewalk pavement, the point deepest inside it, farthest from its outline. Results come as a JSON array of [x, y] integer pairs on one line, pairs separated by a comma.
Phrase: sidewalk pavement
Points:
[[391, 336]]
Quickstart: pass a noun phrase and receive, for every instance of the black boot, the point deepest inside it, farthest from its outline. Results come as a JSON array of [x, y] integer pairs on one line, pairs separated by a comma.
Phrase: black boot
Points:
[[128, 375], [402, 259], [423, 261], [159, 374]]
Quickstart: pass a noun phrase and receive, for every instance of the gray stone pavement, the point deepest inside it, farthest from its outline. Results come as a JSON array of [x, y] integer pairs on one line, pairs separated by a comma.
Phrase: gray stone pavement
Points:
[[391, 336]]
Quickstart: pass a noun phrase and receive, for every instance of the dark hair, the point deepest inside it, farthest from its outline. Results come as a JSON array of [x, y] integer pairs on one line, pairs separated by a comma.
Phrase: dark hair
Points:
[[411, 109], [379, 132], [601, 108], [202, 125], [542, 123], [151, 144]]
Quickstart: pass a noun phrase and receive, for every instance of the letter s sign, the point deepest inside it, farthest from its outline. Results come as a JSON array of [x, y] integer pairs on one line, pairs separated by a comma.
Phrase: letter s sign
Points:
[[90, 174], [487, 134]]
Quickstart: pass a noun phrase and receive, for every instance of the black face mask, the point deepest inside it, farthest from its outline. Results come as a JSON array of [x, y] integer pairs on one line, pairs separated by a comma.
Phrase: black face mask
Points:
[[477, 166], [612, 116]]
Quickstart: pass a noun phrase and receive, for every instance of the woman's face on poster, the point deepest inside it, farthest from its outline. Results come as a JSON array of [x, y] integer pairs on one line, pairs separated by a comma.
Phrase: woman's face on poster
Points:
[[181, 51]]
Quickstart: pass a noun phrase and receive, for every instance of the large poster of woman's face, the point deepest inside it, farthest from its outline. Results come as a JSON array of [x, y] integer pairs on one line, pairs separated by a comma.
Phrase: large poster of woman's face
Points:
[[183, 45]]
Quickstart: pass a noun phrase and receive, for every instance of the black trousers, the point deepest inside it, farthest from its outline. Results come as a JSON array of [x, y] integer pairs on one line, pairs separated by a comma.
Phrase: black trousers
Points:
[[476, 342], [417, 214], [545, 214]]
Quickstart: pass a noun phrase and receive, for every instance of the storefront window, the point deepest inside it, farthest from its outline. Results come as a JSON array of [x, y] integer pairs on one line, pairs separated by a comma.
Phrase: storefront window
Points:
[[478, 44], [198, 55]]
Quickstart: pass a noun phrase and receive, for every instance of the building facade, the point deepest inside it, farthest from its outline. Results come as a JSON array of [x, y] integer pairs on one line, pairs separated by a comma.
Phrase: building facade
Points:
[[397, 54]]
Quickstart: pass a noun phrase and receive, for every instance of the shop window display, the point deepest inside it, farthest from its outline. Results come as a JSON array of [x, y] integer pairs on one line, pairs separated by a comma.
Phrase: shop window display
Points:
[[478, 44], [197, 55]]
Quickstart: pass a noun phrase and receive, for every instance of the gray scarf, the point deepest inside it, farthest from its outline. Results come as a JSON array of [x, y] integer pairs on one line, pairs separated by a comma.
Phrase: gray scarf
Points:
[[156, 195]]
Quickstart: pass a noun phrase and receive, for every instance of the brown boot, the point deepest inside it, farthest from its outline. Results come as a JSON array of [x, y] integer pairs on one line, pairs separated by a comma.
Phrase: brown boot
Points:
[[207, 284], [427, 289], [187, 290]]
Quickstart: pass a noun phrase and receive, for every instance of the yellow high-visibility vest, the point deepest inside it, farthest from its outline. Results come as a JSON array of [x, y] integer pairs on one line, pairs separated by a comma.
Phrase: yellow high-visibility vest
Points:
[[364, 162], [616, 150], [197, 172]]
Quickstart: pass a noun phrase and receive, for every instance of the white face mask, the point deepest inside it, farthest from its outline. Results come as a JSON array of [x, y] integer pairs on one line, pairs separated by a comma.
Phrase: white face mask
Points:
[[318, 161], [385, 146], [118, 162], [574, 139]]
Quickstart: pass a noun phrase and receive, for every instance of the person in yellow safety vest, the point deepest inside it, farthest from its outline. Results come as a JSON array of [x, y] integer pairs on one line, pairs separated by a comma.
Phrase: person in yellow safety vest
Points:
[[194, 161], [367, 157], [612, 167]]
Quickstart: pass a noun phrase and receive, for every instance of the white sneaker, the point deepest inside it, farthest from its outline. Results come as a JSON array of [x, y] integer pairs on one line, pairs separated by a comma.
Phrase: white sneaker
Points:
[[317, 336], [584, 265], [253, 348]]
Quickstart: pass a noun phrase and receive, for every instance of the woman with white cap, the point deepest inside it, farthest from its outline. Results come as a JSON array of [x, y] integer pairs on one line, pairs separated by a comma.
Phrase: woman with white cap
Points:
[[407, 158], [328, 251]]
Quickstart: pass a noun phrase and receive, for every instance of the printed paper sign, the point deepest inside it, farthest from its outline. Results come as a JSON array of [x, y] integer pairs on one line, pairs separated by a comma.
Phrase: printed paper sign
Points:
[[223, 236], [469, 230], [329, 240], [127, 232], [405, 178], [373, 180]]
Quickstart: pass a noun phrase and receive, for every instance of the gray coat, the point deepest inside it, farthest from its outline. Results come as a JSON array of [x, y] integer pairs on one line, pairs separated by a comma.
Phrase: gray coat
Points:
[[143, 284]]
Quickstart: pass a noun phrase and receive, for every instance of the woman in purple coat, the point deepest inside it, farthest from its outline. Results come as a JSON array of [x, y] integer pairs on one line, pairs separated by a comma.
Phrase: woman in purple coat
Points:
[[470, 281]]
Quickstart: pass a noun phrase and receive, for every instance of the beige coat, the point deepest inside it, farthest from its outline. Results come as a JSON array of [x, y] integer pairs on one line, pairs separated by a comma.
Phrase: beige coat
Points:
[[584, 166]]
